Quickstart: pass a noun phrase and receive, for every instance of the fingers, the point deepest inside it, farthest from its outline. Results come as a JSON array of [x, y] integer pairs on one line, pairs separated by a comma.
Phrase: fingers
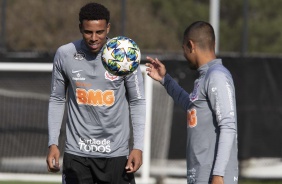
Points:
[[155, 69], [152, 65], [53, 165], [134, 161], [56, 164], [132, 166], [52, 160], [129, 166], [153, 62], [148, 69], [150, 59], [136, 165], [158, 61]]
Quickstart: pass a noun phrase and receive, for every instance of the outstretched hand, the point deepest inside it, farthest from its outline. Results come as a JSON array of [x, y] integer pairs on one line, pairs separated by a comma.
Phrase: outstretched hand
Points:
[[155, 69], [134, 161]]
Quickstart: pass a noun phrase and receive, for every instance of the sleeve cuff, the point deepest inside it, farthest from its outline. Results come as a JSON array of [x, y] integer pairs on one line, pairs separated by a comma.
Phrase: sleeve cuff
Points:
[[163, 79]]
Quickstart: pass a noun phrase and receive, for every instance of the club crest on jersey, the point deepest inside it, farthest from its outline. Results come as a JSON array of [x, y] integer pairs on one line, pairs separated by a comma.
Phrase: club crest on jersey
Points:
[[110, 76], [79, 55], [194, 95]]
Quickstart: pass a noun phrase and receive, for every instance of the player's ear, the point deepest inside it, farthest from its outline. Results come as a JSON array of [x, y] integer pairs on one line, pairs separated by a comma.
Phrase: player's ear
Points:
[[108, 28], [191, 45]]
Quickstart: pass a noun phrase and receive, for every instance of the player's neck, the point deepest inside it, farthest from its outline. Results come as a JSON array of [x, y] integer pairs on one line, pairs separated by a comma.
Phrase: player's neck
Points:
[[205, 57]]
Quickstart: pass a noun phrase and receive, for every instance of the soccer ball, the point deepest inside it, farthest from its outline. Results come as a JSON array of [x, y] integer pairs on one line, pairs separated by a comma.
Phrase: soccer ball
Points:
[[121, 56]]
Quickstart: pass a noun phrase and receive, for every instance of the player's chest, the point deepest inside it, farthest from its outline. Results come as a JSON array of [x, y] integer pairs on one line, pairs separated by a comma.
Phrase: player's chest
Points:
[[198, 94], [90, 74]]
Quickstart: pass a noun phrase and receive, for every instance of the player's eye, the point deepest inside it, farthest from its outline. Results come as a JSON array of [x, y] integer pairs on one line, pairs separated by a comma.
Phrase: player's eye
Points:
[[100, 32], [87, 32]]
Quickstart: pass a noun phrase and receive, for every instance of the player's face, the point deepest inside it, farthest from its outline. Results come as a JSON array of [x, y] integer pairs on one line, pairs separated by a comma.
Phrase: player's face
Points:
[[94, 33]]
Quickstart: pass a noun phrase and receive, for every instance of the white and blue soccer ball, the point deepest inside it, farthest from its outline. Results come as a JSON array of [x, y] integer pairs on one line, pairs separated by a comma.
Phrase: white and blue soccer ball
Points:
[[121, 56]]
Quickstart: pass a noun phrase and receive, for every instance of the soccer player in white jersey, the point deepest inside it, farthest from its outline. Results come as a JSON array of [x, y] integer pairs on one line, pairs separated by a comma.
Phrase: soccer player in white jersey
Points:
[[101, 108], [211, 109]]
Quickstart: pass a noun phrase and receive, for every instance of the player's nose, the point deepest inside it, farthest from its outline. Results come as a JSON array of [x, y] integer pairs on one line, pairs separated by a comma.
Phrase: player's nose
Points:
[[94, 37]]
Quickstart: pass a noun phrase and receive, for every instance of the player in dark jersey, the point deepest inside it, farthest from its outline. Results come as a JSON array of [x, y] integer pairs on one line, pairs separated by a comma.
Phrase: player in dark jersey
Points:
[[211, 109], [100, 109]]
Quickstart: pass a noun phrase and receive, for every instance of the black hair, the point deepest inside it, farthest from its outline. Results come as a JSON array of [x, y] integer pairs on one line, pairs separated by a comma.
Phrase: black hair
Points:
[[202, 33], [94, 11]]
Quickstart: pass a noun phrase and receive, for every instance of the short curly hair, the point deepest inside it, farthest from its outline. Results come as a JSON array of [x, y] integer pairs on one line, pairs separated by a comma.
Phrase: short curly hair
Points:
[[94, 11]]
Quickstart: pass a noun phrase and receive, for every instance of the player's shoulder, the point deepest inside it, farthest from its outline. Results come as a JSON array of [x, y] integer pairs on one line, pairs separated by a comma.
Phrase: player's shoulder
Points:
[[69, 47], [218, 70], [218, 74]]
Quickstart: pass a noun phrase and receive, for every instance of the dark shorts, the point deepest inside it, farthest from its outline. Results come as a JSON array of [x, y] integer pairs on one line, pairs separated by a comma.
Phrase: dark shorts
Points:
[[87, 170]]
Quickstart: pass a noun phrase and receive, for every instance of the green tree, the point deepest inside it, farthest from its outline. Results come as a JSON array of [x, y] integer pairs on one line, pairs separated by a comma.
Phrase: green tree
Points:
[[155, 25]]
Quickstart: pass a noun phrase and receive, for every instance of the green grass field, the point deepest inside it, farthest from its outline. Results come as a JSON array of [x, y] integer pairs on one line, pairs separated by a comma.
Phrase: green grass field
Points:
[[240, 182]]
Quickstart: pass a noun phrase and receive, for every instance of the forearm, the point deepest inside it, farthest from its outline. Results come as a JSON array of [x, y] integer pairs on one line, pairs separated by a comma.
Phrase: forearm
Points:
[[138, 117], [179, 95], [226, 141], [55, 117]]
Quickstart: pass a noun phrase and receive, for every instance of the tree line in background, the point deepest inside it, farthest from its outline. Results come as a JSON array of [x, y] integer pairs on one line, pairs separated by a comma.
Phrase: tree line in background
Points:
[[155, 25]]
